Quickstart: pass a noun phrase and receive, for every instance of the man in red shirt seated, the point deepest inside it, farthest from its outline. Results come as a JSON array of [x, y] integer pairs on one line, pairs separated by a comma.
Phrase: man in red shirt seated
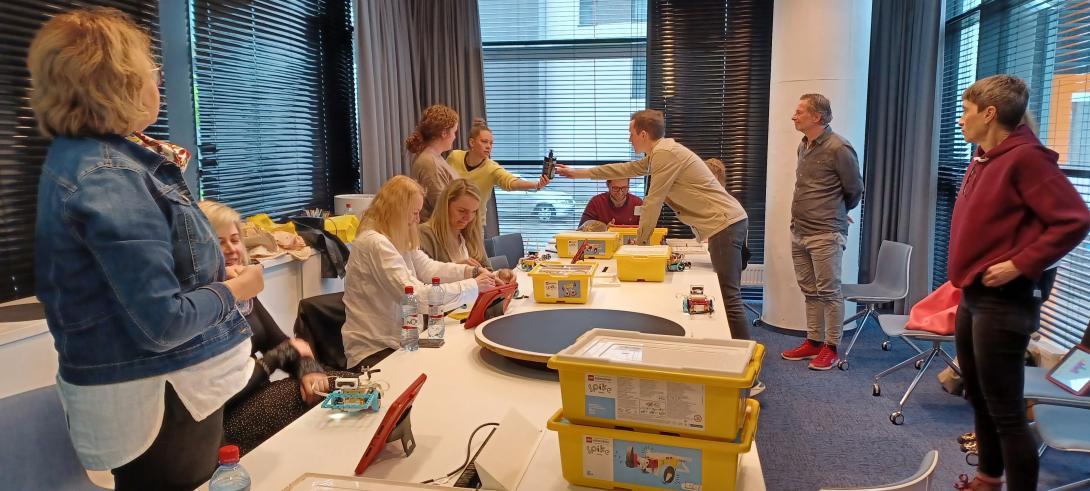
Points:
[[616, 207]]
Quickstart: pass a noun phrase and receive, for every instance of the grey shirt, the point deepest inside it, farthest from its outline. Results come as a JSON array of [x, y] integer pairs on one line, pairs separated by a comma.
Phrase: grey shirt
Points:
[[827, 185]]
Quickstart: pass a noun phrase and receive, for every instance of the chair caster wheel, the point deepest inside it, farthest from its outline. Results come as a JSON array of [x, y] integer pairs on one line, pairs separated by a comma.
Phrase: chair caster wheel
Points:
[[842, 364], [919, 364], [757, 322], [886, 346], [972, 458], [897, 418], [876, 390]]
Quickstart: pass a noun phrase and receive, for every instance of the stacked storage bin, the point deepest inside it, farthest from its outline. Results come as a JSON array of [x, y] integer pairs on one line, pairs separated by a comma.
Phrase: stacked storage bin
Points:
[[600, 245], [649, 412]]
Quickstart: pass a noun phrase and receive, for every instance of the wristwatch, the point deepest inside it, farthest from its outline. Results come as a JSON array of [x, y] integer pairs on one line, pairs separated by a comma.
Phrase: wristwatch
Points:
[[476, 271]]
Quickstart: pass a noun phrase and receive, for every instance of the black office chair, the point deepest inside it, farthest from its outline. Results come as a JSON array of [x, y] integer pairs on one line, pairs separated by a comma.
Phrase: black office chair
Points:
[[319, 323]]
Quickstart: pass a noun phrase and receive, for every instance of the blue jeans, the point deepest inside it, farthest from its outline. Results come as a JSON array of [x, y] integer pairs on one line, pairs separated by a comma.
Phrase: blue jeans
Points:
[[993, 326]]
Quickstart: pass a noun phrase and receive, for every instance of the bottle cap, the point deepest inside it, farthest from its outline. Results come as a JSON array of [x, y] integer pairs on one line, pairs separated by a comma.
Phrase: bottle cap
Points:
[[435, 280], [408, 288], [229, 454]]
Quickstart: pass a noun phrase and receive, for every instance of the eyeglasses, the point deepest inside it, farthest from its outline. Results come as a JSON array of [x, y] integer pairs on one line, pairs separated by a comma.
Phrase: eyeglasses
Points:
[[158, 69], [616, 189]]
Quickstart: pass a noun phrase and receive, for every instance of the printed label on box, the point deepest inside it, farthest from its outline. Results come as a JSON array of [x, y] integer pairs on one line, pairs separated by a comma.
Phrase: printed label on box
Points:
[[659, 466], [656, 402], [551, 289], [597, 457], [569, 288]]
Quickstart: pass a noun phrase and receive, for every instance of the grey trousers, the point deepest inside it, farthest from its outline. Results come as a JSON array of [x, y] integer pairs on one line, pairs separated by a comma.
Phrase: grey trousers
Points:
[[817, 261], [725, 249]]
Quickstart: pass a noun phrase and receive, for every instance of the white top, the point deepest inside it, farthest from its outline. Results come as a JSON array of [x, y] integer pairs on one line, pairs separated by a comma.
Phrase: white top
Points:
[[112, 424], [374, 282]]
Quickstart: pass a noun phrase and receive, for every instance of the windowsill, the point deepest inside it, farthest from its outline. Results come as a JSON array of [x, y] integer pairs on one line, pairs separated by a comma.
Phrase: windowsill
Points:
[[11, 332]]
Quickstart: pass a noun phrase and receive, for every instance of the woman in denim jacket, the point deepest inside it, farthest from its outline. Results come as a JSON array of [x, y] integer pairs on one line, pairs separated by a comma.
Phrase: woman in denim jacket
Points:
[[129, 271]]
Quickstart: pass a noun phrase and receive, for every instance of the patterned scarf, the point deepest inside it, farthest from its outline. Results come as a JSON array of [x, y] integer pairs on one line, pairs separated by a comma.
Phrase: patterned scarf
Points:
[[174, 154]]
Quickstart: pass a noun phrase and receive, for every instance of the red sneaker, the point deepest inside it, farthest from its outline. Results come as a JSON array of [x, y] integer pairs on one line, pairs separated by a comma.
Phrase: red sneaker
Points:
[[804, 351], [825, 360]]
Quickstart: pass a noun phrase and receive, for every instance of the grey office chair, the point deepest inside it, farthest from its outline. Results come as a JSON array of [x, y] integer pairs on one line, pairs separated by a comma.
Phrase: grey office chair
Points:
[[1059, 418], [889, 285], [920, 481], [894, 326], [508, 245], [498, 262]]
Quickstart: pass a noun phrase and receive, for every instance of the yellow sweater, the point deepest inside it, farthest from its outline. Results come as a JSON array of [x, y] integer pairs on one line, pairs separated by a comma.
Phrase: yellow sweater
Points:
[[485, 176]]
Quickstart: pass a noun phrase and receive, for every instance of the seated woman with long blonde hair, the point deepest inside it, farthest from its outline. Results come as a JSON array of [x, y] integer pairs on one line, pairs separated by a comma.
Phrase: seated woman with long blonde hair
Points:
[[454, 232], [386, 258]]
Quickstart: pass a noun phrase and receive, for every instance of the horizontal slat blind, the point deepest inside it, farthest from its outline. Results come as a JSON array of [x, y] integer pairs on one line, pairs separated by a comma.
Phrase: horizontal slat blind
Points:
[[709, 69], [261, 98], [564, 75], [22, 148], [1045, 44]]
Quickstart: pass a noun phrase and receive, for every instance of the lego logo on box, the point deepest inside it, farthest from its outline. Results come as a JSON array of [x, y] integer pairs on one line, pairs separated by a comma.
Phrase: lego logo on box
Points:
[[590, 377]]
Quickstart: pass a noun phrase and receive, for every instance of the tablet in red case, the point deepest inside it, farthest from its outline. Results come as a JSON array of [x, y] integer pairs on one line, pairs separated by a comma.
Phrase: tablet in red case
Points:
[[395, 426], [1073, 372]]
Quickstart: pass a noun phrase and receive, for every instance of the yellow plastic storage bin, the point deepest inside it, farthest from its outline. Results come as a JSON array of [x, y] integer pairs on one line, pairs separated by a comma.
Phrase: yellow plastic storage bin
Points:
[[642, 263], [611, 458], [653, 382], [628, 235], [557, 282], [600, 245]]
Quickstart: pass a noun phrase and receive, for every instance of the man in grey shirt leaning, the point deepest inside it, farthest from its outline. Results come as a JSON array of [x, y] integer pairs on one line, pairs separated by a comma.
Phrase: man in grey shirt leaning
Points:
[[680, 178], [827, 185]]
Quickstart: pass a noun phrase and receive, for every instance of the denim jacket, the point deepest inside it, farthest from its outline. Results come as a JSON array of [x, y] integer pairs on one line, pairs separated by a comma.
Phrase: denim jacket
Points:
[[127, 266]]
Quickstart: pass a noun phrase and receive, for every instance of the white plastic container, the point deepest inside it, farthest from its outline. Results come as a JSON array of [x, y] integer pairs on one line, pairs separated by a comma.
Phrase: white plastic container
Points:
[[358, 202]]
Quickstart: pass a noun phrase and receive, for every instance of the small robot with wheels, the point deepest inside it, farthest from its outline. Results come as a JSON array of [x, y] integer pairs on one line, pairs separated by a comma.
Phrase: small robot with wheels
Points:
[[696, 302], [678, 263]]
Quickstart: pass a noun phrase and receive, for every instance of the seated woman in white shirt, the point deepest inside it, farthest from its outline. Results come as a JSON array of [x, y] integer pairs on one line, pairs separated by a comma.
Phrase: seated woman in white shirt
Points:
[[454, 233], [385, 259]]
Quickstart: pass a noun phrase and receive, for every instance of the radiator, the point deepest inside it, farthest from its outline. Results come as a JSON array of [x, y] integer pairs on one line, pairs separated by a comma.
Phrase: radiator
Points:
[[754, 275]]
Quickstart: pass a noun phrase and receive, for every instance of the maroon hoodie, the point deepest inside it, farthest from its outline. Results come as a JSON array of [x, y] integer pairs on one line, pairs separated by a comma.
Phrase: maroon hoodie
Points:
[[1015, 204]]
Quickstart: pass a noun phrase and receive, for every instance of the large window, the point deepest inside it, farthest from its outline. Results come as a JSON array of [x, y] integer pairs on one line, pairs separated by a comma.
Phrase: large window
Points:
[[1044, 43], [275, 103], [563, 75], [22, 148]]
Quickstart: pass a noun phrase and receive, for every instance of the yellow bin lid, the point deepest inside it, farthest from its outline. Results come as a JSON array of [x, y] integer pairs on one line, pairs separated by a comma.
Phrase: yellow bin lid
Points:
[[710, 357]]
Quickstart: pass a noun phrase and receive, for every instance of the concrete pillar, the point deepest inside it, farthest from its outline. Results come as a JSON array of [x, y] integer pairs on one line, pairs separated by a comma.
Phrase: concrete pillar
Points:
[[824, 47]]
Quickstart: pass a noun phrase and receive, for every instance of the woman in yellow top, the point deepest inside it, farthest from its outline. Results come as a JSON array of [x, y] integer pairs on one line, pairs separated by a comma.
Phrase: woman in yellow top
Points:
[[477, 166]]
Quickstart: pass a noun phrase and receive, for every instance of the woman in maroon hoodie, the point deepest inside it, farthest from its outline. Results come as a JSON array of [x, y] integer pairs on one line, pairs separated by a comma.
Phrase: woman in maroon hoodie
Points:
[[1016, 215]]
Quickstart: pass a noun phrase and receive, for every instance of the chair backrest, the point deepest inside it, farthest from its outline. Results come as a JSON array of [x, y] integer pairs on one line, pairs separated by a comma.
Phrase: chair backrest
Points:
[[891, 271], [319, 323], [920, 481], [36, 451], [498, 262], [510, 246]]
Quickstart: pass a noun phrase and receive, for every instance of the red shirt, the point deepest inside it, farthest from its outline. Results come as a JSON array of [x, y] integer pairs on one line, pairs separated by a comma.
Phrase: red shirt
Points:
[[601, 208], [1015, 204]]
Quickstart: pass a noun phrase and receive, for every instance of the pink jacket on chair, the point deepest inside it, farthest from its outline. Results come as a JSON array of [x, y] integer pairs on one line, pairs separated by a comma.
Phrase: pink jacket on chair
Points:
[[936, 312]]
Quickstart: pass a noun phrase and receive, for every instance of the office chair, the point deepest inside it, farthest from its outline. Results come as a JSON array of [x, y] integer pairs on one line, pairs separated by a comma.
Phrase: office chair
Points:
[[1060, 418], [920, 481], [894, 326], [889, 285], [509, 245]]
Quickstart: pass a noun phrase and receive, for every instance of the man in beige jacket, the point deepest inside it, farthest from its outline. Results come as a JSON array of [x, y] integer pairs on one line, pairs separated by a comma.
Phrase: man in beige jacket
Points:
[[680, 178]]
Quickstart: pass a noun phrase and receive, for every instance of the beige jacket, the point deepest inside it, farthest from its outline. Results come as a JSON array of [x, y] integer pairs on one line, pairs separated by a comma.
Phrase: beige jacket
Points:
[[680, 179], [434, 174]]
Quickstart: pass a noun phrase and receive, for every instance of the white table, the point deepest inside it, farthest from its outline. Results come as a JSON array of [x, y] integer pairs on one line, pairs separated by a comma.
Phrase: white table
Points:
[[468, 386]]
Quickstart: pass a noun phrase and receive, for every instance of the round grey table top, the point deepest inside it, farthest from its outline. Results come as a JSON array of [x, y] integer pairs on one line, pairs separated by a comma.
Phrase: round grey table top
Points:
[[536, 336]]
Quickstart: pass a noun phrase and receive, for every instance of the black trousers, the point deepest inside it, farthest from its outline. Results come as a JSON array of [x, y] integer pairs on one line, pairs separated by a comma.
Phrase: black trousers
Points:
[[183, 456], [993, 327], [725, 249]]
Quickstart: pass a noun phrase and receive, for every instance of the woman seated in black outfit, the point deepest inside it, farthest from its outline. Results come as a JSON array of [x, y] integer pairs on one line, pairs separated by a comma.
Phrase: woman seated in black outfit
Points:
[[263, 408]]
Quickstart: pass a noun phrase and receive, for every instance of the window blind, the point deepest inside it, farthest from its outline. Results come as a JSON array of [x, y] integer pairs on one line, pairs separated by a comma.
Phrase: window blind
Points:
[[709, 69], [564, 75], [268, 75], [1044, 43], [22, 148]]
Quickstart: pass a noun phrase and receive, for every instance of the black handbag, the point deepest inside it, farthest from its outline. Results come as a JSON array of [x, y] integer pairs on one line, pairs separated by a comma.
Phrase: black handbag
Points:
[[333, 251]]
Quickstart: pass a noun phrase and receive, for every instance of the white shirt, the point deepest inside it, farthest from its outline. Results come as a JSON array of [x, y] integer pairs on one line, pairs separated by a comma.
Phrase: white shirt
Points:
[[112, 424], [374, 283]]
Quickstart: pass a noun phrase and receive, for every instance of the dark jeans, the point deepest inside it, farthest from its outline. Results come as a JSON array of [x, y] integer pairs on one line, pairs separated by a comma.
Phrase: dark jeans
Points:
[[183, 456], [992, 332], [725, 248]]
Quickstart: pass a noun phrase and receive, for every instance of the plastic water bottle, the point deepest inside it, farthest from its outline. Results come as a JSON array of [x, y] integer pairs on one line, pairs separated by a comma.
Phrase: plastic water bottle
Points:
[[230, 476], [436, 328], [410, 321]]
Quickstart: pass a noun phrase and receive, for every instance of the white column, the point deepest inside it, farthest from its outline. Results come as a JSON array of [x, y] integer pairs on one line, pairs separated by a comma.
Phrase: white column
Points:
[[823, 47]]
